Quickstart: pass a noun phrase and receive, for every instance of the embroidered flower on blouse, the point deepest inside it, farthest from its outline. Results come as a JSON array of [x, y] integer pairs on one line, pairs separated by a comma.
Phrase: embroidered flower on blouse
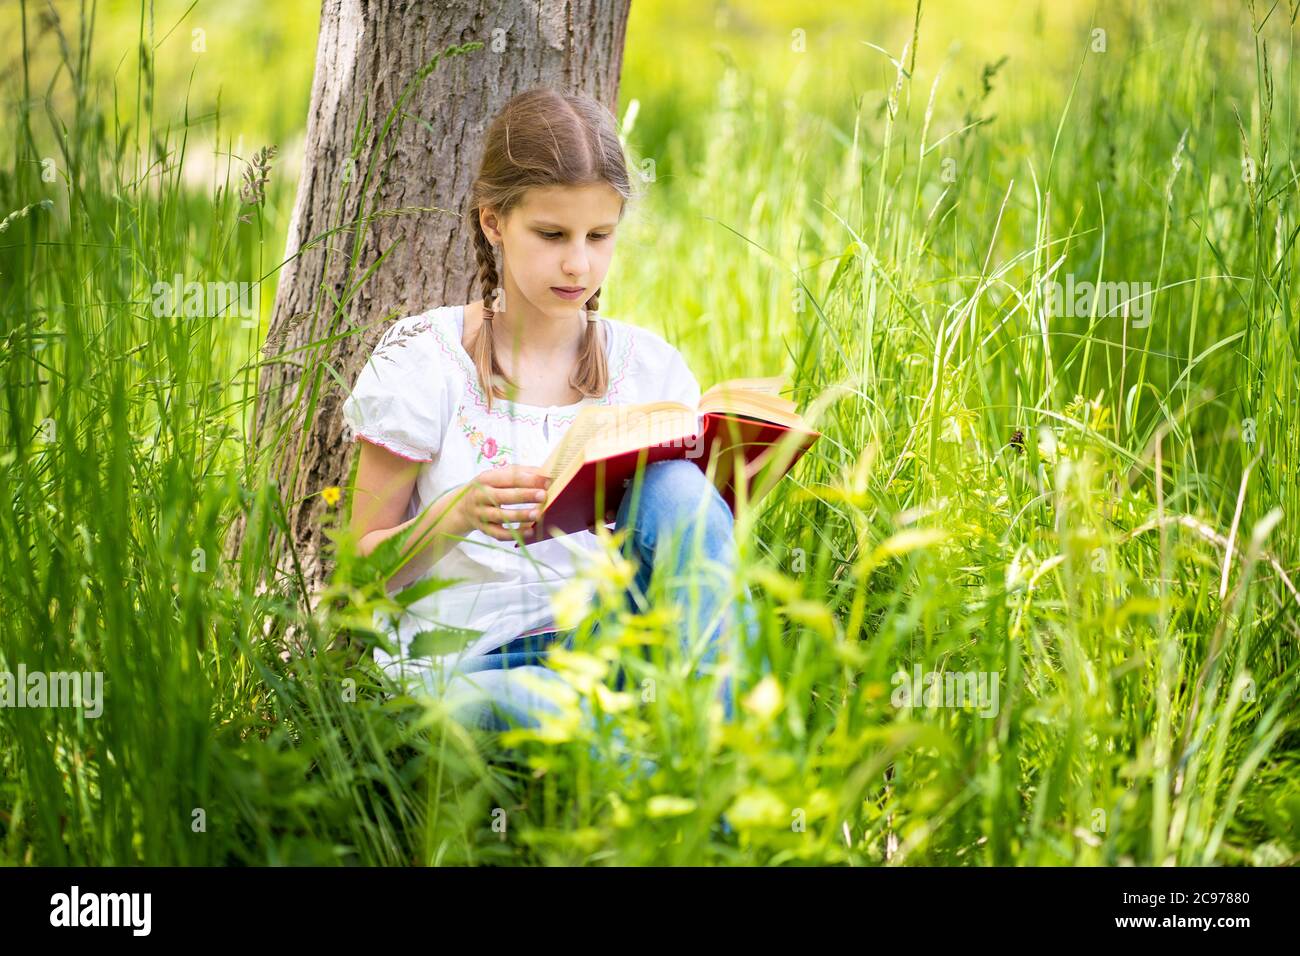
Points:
[[489, 449]]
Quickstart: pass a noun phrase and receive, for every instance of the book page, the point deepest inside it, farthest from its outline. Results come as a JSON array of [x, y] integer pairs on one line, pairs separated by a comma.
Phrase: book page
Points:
[[770, 385], [644, 426], [754, 398], [609, 420], [586, 425]]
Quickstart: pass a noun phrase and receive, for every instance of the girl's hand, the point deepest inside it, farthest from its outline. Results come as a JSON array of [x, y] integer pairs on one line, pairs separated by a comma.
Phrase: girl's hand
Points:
[[481, 508]]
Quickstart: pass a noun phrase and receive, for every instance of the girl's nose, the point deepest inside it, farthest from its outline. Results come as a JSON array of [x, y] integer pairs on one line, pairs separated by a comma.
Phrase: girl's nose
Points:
[[576, 263]]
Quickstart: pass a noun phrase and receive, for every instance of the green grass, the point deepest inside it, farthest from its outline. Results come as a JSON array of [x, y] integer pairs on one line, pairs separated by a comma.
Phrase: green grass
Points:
[[1100, 512]]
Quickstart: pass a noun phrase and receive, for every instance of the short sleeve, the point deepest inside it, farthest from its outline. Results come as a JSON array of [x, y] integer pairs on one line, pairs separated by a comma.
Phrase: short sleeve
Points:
[[400, 399], [680, 384]]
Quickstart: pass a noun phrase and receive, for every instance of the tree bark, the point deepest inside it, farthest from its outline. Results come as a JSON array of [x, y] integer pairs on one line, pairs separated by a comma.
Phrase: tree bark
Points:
[[398, 195]]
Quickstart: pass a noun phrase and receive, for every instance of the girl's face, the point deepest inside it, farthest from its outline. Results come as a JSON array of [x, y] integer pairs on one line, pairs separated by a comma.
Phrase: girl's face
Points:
[[559, 238]]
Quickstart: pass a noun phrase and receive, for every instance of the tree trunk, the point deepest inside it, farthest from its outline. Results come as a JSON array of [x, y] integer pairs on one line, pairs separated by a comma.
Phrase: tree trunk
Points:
[[368, 193]]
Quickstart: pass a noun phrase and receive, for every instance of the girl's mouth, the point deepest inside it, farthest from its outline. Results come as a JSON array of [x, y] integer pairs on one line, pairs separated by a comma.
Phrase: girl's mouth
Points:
[[568, 293]]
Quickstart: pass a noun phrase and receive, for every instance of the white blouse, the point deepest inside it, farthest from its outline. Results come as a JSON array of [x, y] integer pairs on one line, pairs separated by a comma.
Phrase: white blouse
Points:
[[419, 397]]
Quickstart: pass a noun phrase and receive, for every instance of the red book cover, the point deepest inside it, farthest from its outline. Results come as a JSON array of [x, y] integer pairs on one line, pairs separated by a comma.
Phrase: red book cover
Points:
[[610, 478]]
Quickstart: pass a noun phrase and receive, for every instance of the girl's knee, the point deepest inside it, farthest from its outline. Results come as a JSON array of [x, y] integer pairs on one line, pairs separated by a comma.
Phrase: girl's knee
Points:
[[676, 490], [675, 514], [675, 473]]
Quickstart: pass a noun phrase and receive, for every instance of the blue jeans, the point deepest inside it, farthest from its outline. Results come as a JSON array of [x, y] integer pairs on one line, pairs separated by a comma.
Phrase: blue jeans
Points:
[[680, 528]]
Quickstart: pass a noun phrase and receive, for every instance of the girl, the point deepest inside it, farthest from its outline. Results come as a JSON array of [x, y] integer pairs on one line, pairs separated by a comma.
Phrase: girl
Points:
[[457, 407]]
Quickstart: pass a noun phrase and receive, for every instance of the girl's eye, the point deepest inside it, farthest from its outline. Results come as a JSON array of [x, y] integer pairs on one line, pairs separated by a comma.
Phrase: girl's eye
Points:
[[556, 235]]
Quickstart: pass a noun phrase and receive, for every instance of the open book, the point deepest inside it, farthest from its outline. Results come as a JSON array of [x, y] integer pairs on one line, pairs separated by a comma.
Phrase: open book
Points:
[[738, 424]]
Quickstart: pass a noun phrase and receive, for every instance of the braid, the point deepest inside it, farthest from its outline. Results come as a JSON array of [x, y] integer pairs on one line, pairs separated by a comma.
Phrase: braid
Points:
[[592, 375], [483, 349]]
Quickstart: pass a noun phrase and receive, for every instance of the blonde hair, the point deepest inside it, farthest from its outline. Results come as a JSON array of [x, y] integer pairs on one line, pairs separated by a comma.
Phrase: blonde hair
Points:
[[542, 138]]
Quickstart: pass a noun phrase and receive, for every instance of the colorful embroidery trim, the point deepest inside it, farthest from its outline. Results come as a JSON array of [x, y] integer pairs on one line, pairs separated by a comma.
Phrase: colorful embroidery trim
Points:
[[510, 411]]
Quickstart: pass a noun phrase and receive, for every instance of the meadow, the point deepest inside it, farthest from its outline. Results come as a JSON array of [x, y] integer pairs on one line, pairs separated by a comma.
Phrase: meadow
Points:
[[1031, 600]]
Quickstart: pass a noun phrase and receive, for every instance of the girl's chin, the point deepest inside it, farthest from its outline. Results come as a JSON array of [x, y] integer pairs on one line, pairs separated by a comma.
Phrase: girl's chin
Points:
[[559, 306], [548, 303]]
